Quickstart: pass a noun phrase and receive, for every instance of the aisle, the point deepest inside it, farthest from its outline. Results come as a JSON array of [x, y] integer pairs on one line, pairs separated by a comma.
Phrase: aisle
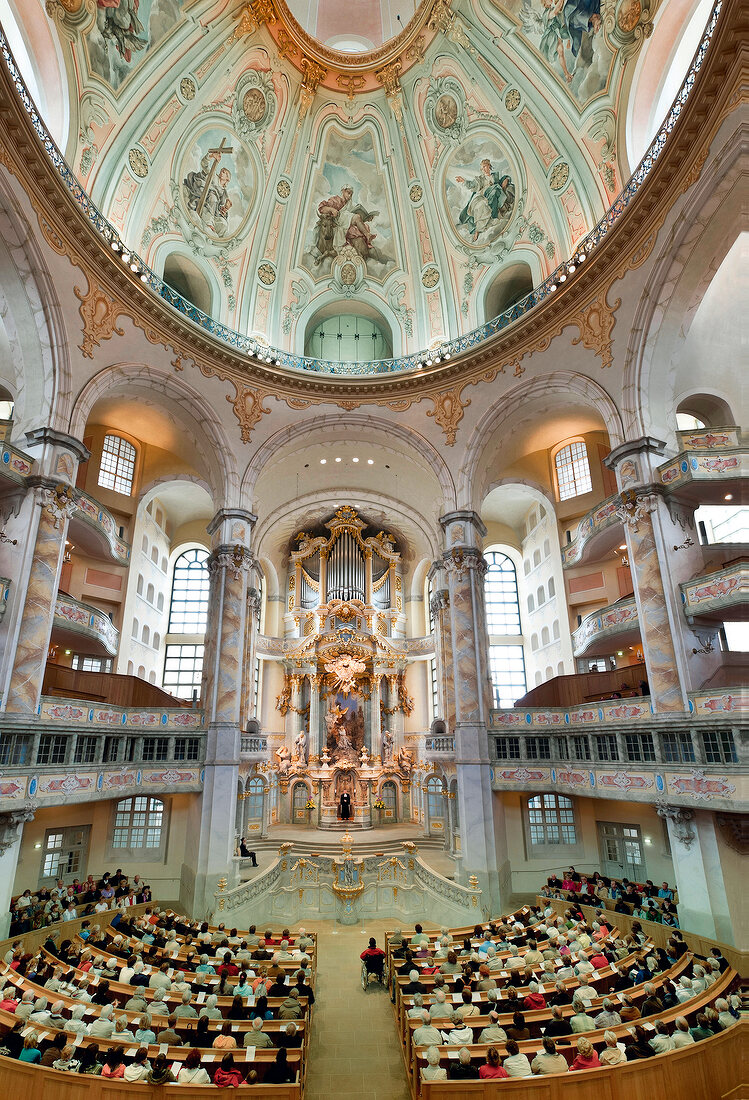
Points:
[[354, 1047]]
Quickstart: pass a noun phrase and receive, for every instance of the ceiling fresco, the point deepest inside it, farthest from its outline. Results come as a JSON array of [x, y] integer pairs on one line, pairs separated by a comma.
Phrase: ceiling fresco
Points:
[[489, 135]]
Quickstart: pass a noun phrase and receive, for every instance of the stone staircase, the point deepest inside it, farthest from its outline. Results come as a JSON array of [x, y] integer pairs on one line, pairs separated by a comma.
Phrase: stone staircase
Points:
[[328, 842]]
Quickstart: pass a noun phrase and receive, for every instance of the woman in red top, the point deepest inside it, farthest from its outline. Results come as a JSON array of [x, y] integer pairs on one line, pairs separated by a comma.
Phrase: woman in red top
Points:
[[586, 1056], [114, 1065], [491, 1067], [227, 1076]]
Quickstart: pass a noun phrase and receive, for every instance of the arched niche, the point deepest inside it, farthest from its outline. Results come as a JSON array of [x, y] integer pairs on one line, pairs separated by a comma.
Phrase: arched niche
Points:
[[707, 408], [183, 275], [509, 286], [348, 331]]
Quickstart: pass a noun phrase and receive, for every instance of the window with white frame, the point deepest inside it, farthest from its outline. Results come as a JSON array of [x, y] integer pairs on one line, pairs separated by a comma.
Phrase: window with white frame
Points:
[[183, 670], [433, 684], [551, 820], [117, 467], [188, 613], [138, 823], [573, 471], [506, 656]]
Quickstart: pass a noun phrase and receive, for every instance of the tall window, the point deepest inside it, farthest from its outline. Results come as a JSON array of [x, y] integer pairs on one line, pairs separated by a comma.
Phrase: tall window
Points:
[[506, 659], [117, 465], [573, 471], [501, 590], [434, 686], [138, 823], [551, 819], [188, 612], [189, 608]]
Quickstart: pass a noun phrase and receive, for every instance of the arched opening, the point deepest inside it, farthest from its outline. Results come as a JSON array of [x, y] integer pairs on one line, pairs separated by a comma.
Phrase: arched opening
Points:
[[435, 806], [508, 287], [703, 410], [354, 333], [299, 796], [183, 275], [389, 796]]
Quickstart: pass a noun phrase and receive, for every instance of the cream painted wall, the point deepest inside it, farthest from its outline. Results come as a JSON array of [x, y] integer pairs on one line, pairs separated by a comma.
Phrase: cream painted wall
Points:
[[528, 875], [163, 877]]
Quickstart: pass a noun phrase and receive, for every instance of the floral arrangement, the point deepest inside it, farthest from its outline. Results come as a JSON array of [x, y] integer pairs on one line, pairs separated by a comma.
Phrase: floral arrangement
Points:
[[310, 803], [379, 804]]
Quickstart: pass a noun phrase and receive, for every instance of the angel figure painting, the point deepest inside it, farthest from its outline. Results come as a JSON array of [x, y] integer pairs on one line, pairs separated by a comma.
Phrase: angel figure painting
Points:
[[480, 192], [569, 36], [123, 33], [349, 210]]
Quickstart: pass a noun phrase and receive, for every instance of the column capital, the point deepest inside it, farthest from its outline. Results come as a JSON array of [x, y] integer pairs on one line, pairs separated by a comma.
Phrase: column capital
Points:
[[235, 558], [636, 461], [681, 819], [458, 560], [463, 528], [232, 524], [60, 453]]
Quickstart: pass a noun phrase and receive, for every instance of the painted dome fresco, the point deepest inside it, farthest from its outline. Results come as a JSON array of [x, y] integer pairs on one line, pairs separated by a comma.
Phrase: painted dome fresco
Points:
[[352, 180]]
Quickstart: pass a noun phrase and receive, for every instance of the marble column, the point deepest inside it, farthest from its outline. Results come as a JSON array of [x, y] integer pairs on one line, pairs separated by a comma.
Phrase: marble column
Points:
[[53, 502], [467, 669], [11, 834], [247, 707], [223, 675], [658, 605], [395, 720], [314, 748], [376, 725], [295, 718], [695, 850], [439, 607]]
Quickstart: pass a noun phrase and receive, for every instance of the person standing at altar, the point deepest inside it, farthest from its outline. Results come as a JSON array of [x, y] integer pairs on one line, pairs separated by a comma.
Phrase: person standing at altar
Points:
[[344, 806]]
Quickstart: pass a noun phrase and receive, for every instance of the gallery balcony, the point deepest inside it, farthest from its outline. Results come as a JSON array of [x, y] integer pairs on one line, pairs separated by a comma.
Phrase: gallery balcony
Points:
[[94, 531], [615, 626], [4, 593], [711, 463], [598, 533], [75, 621], [718, 595]]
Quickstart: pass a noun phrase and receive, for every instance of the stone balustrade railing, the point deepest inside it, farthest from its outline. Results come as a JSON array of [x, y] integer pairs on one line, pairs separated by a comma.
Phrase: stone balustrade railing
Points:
[[82, 618], [608, 623], [254, 746], [438, 745]]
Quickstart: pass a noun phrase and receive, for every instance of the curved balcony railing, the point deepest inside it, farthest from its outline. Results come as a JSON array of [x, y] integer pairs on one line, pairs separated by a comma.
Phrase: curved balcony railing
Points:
[[82, 618], [449, 348], [719, 465], [611, 622], [102, 523], [14, 464], [718, 705], [4, 593], [604, 517], [712, 594]]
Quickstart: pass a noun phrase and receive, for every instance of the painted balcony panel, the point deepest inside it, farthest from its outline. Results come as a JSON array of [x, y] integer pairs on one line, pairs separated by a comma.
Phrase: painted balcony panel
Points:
[[710, 439], [596, 631], [703, 477], [74, 619], [598, 533], [702, 705], [15, 466], [723, 594], [90, 783], [94, 530], [82, 712]]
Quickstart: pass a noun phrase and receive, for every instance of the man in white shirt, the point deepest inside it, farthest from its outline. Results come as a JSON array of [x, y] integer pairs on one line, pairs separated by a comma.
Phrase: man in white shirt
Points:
[[661, 1041], [585, 991], [426, 1035], [516, 1064], [493, 1033], [460, 1034], [608, 1016], [681, 1036], [440, 1009]]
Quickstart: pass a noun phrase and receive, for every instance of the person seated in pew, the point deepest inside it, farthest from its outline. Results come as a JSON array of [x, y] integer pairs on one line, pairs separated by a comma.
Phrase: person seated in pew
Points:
[[256, 1037], [210, 1010], [413, 985], [460, 1034], [121, 1029], [612, 1055], [169, 1034], [580, 1020], [139, 1068], [290, 1009], [260, 1009], [426, 1034], [184, 1009], [587, 1058], [228, 1076], [440, 1009], [652, 1004], [559, 1024], [451, 964], [548, 1059], [192, 1073], [608, 1016], [463, 1069], [492, 1033], [585, 991], [225, 1039], [516, 1064], [291, 1036], [485, 978], [417, 1007], [534, 999], [280, 1073], [682, 1036], [433, 1071], [637, 1044], [467, 1008], [661, 1041]]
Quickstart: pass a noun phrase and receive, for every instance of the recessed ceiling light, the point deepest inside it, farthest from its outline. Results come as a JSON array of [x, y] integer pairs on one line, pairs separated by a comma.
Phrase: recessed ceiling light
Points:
[[623, 546], [323, 461], [370, 462], [125, 257], [728, 496], [354, 459], [338, 460]]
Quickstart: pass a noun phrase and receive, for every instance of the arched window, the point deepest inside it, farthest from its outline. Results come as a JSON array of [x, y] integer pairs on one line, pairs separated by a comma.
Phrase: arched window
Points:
[[573, 471], [547, 548], [155, 554], [536, 558], [545, 636], [501, 592], [189, 607], [145, 635], [531, 604], [144, 544], [551, 819], [534, 642], [140, 584], [156, 641], [254, 800], [555, 629], [150, 593], [117, 467], [551, 587], [138, 823], [526, 567], [188, 611], [540, 595], [389, 797], [135, 629], [506, 662], [299, 796], [435, 802], [560, 668]]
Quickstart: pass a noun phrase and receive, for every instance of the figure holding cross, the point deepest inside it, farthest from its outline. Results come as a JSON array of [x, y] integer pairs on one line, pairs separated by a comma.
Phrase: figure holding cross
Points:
[[206, 191]]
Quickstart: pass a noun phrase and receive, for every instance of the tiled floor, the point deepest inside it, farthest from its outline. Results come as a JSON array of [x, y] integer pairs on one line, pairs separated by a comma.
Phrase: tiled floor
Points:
[[354, 1048]]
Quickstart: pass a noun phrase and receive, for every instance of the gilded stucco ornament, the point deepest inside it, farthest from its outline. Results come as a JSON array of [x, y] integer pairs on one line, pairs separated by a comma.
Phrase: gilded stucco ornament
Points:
[[99, 314], [444, 109], [596, 323], [254, 105], [448, 411]]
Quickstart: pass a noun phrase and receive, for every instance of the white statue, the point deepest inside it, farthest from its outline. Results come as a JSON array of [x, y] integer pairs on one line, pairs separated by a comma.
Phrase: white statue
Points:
[[284, 760], [387, 747], [300, 744]]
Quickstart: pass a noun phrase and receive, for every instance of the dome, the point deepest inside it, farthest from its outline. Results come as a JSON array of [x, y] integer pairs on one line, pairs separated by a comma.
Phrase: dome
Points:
[[430, 165]]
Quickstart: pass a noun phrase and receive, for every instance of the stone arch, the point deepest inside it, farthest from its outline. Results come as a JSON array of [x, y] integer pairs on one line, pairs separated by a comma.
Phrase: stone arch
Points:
[[179, 400], [566, 384]]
